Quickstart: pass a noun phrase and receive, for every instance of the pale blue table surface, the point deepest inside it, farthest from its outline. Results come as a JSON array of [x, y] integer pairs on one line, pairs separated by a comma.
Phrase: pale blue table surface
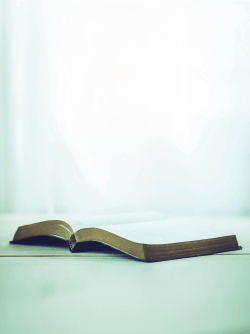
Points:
[[116, 295]]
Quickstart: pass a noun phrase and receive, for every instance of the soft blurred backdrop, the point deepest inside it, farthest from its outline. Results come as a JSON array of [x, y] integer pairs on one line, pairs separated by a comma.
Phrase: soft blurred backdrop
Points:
[[119, 105]]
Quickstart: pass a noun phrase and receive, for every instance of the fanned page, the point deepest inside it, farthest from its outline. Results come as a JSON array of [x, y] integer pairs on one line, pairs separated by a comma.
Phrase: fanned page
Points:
[[64, 229], [166, 231]]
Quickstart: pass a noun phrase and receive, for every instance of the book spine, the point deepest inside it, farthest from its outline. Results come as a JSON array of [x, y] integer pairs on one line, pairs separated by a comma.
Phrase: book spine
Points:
[[71, 243]]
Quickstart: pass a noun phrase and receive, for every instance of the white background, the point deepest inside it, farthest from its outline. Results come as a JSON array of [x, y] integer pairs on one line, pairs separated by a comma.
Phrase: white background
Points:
[[111, 106]]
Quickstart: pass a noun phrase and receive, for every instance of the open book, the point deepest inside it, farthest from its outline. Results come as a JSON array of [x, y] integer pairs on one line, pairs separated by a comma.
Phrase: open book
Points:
[[148, 241]]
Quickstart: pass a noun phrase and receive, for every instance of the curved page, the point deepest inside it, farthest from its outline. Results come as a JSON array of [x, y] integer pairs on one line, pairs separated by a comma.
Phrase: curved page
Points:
[[166, 231]]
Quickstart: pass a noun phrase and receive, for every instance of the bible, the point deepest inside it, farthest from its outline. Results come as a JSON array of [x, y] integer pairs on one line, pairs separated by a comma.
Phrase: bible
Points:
[[148, 241]]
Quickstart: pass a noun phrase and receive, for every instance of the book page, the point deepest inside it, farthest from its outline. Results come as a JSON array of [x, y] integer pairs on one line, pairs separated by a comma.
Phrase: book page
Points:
[[166, 231], [85, 221]]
